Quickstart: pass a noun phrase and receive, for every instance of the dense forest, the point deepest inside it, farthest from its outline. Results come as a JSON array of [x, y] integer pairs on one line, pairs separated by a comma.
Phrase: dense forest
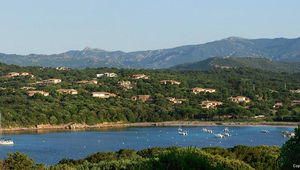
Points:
[[176, 158], [263, 88]]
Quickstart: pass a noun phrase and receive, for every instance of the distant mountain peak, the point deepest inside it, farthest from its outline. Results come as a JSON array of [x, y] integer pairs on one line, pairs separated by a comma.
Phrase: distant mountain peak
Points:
[[234, 38], [93, 49]]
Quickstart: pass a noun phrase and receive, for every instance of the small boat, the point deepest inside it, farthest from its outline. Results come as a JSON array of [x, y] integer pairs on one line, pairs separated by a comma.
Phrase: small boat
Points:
[[4, 141], [219, 135], [226, 129], [185, 133], [209, 131], [227, 134], [284, 136], [179, 129], [204, 129], [291, 135], [285, 132], [264, 131]]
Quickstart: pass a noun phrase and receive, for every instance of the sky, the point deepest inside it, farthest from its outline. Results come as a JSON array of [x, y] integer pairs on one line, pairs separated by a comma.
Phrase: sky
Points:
[[56, 26]]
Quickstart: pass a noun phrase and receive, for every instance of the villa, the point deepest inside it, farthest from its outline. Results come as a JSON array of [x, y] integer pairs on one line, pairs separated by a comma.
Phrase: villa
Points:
[[295, 91], [32, 93], [67, 91], [126, 84], [103, 95], [106, 75], [87, 82], [141, 97], [277, 105], [239, 99], [197, 90], [140, 76], [211, 104], [169, 82], [176, 101]]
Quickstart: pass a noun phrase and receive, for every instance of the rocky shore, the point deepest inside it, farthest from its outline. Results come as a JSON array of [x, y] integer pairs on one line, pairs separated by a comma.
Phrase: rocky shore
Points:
[[76, 126]]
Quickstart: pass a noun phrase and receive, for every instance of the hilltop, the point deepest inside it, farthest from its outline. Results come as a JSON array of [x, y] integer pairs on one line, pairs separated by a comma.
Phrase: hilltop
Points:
[[278, 49], [231, 62]]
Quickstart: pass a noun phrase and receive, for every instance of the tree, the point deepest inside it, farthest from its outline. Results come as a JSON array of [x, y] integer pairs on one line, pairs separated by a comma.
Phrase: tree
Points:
[[282, 112], [290, 152], [16, 161]]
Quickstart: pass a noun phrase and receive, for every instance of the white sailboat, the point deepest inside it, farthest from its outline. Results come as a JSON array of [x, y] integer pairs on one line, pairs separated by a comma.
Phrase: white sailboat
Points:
[[219, 135], [4, 141]]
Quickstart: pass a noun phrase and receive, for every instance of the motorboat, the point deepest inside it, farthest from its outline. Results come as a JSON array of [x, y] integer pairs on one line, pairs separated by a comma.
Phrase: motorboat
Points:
[[209, 131], [285, 132], [226, 129], [204, 129], [227, 134], [219, 135], [4, 141], [264, 131], [185, 133], [179, 129]]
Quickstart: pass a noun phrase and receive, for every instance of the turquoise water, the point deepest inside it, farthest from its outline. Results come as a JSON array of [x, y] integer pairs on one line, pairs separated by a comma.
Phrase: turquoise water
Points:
[[52, 147]]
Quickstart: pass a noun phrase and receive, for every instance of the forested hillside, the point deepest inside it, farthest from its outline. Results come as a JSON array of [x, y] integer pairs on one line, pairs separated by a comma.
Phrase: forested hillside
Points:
[[232, 62], [261, 89]]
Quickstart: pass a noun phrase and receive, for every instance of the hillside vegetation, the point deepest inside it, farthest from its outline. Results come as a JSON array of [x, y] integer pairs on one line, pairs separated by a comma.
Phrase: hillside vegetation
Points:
[[260, 91], [233, 62]]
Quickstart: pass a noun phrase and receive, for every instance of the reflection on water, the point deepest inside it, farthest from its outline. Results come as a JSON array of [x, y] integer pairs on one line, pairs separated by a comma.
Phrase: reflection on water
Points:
[[41, 131], [52, 147]]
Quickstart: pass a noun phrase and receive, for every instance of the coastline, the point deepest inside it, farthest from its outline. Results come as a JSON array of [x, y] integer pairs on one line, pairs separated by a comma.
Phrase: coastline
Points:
[[108, 125]]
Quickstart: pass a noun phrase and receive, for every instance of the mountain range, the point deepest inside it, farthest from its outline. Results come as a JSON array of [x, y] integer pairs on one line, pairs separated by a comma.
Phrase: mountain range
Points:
[[232, 62], [278, 49]]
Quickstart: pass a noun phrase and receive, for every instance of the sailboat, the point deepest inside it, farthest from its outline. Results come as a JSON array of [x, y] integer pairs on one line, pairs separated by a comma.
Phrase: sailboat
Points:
[[4, 141]]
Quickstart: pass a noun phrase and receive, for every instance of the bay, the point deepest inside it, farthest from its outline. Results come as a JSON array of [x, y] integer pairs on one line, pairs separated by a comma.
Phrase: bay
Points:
[[50, 148]]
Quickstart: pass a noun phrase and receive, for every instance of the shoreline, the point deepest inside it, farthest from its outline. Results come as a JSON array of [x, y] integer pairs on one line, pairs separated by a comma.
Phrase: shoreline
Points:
[[109, 125]]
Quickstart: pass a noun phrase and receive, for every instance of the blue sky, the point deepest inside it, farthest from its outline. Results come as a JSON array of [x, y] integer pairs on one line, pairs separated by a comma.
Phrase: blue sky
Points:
[[54, 26]]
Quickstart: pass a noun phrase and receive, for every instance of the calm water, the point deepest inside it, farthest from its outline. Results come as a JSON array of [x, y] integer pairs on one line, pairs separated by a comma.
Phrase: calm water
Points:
[[52, 147]]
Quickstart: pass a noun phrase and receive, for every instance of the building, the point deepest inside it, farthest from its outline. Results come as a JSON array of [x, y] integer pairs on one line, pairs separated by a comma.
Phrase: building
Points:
[[174, 100], [259, 117], [52, 81], [67, 91], [141, 97], [99, 75], [24, 74], [28, 88], [295, 91], [239, 99], [87, 82], [140, 76], [32, 93], [103, 95], [13, 74], [169, 82], [126, 84], [296, 102], [210, 104], [197, 90], [62, 68], [277, 105]]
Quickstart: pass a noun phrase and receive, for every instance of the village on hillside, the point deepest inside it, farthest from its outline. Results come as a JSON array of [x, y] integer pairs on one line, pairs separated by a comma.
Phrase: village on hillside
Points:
[[37, 86]]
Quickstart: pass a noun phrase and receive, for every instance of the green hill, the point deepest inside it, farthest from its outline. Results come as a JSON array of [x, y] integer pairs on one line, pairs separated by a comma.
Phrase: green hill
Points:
[[231, 62]]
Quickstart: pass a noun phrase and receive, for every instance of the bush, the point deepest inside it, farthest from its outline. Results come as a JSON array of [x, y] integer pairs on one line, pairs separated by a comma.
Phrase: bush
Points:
[[190, 158], [290, 152]]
